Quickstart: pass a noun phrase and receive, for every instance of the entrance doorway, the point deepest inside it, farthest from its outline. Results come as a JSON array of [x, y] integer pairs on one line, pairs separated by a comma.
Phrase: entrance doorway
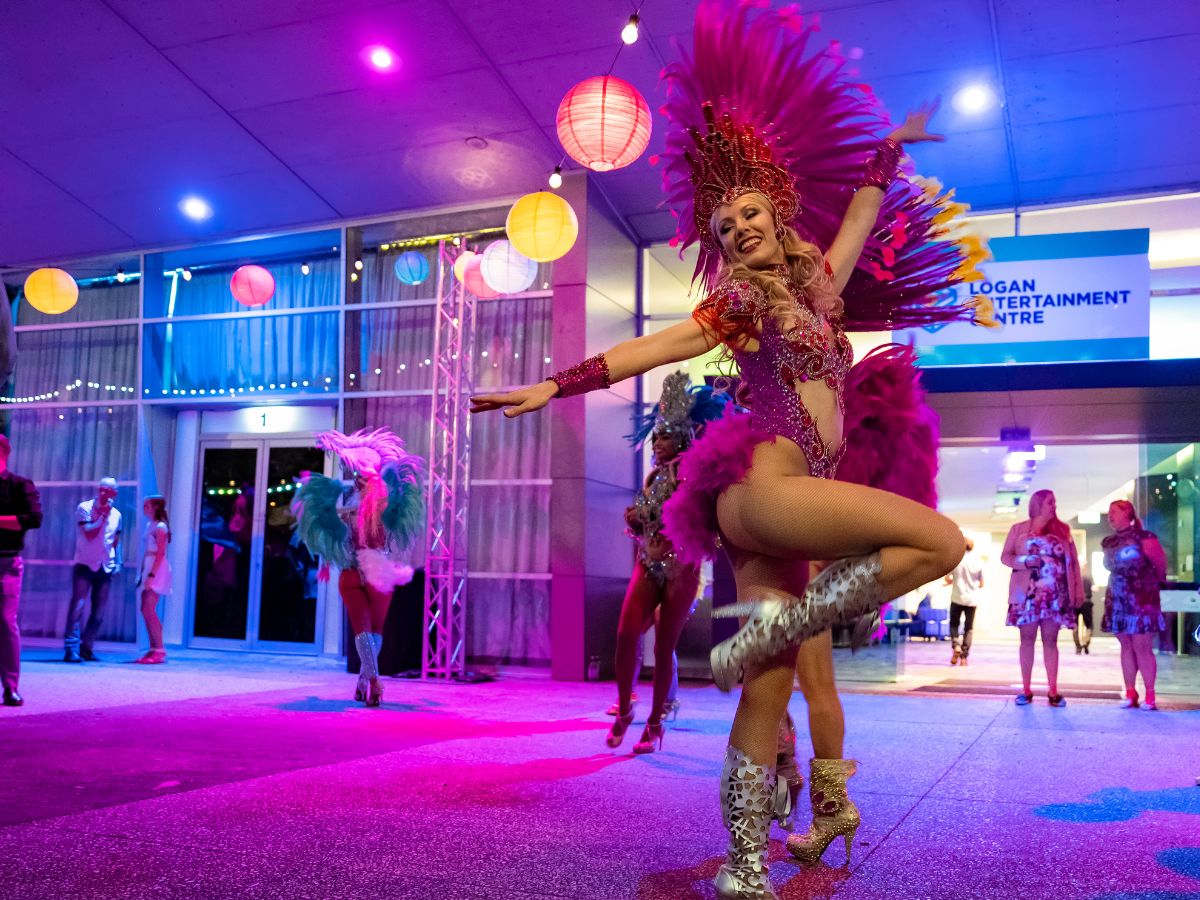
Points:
[[255, 586]]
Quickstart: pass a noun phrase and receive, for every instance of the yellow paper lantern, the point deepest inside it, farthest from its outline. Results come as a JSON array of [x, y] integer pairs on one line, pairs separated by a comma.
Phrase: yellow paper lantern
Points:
[[542, 226], [51, 291]]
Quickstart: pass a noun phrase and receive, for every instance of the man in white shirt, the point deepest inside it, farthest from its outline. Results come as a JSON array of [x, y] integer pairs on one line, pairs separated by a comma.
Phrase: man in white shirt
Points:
[[97, 560], [967, 581]]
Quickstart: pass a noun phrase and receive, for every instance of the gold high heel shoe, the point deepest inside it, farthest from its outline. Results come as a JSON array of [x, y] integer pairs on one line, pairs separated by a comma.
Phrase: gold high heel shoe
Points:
[[616, 734], [652, 734], [374, 692], [833, 811]]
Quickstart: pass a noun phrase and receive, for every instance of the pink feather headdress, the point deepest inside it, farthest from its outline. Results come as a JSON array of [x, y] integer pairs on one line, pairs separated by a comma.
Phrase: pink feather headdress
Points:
[[758, 105], [365, 451]]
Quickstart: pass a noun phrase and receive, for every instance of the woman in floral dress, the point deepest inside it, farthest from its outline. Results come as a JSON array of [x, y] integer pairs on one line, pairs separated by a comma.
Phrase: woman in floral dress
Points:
[[1045, 589], [1132, 609]]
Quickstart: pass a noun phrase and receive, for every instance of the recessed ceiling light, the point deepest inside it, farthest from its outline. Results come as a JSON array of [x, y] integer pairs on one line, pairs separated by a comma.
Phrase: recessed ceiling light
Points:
[[974, 99], [381, 58], [195, 208]]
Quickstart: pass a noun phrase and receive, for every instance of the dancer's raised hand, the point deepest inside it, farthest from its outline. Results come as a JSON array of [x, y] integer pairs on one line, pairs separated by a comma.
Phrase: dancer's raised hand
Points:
[[518, 402], [915, 129]]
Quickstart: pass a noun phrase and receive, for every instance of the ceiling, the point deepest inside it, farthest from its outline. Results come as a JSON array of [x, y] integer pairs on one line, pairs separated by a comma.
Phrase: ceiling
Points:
[[116, 109]]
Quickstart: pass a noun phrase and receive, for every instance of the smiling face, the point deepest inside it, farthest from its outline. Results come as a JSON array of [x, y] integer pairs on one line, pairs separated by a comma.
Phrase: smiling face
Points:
[[746, 231], [664, 447]]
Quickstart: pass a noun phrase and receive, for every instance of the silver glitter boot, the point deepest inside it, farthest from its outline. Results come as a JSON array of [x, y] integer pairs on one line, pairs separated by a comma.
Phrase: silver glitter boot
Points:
[[747, 806], [368, 672], [846, 590], [834, 813]]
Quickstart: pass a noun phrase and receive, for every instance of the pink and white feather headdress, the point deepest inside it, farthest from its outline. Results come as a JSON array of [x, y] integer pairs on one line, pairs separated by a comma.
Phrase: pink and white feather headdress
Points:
[[365, 451]]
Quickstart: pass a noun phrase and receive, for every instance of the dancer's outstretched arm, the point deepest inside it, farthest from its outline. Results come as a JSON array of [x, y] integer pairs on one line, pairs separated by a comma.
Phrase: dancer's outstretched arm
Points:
[[863, 211], [686, 340]]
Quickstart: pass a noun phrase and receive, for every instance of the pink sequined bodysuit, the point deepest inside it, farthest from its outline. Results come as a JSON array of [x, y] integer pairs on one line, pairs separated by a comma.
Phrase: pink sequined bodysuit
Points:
[[737, 310]]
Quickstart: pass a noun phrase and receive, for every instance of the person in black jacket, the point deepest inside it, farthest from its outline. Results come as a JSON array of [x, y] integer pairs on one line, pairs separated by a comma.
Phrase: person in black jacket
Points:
[[20, 510]]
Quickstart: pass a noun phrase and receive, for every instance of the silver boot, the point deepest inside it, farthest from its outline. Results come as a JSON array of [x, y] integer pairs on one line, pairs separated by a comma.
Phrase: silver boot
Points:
[[747, 806], [788, 780], [847, 589], [369, 669]]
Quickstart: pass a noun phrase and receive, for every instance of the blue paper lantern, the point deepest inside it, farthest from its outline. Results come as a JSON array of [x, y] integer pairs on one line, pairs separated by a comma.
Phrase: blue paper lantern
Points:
[[412, 267]]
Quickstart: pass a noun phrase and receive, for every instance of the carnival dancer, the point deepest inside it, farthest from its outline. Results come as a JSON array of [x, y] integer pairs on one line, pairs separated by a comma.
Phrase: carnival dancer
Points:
[[775, 154], [660, 582], [367, 538]]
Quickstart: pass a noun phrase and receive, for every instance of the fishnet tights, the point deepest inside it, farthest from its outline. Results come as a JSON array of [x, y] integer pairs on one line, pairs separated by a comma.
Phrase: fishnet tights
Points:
[[776, 519]]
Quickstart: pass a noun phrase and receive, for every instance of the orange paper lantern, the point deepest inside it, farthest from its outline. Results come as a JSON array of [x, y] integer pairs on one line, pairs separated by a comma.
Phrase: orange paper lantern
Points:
[[604, 123], [252, 286], [51, 291]]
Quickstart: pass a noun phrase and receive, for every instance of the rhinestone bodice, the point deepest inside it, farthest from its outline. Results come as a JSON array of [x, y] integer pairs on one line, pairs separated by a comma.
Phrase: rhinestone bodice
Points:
[[815, 349]]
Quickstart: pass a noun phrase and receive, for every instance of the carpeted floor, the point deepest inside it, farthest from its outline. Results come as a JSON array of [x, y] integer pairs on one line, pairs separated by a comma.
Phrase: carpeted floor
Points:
[[220, 775]]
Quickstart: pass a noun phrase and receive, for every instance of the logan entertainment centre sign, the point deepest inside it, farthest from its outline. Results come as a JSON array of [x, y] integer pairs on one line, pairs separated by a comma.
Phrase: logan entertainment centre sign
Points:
[[1057, 298]]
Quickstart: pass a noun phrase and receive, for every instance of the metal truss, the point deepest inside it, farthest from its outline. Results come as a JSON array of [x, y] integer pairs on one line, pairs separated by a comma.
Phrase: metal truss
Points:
[[444, 642]]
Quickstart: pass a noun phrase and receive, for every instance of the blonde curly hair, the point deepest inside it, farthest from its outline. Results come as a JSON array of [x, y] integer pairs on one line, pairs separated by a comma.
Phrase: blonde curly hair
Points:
[[805, 263]]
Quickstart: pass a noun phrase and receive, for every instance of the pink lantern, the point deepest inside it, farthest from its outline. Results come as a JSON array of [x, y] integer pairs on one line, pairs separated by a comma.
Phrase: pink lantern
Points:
[[252, 286], [604, 123], [473, 279]]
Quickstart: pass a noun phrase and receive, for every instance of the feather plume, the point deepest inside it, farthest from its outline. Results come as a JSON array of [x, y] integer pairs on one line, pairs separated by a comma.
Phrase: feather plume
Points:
[[364, 451], [318, 522], [791, 105], [404, 516]]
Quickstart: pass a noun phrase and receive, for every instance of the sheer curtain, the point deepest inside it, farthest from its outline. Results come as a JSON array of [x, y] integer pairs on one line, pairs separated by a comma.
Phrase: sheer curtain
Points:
[[208, 291], [102, 359], [97, 303], [65, 450]]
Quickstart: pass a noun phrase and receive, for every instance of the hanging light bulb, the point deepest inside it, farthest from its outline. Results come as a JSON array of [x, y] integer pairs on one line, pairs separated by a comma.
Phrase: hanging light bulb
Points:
[[305, 268], [556, 178], [629, 34], [354, 276], [358, 264], [120, 275], [187, 274]]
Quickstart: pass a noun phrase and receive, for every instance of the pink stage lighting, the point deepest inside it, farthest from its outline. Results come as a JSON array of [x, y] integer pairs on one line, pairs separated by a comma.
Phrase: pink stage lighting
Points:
[[381, 58]]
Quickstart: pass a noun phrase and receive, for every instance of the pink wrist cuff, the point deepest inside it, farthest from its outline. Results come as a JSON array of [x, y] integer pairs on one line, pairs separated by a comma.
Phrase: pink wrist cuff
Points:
[[589, 375], [881, 169]]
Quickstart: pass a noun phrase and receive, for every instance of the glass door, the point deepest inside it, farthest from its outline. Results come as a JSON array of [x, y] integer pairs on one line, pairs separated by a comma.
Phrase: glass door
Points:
[[255, 586]]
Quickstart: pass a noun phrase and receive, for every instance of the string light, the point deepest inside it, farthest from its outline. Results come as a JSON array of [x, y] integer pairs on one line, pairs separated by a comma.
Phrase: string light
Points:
[[629, 34], [305, 268], [75, 385]]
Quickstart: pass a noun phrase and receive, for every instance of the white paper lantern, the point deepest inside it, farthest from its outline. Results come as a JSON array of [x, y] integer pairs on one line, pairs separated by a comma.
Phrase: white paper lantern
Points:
[[506, 269]]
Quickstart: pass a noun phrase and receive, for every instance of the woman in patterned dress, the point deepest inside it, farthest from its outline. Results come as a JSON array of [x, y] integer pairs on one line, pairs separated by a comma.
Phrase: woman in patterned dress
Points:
[[1132, 609], [1045, 589]]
